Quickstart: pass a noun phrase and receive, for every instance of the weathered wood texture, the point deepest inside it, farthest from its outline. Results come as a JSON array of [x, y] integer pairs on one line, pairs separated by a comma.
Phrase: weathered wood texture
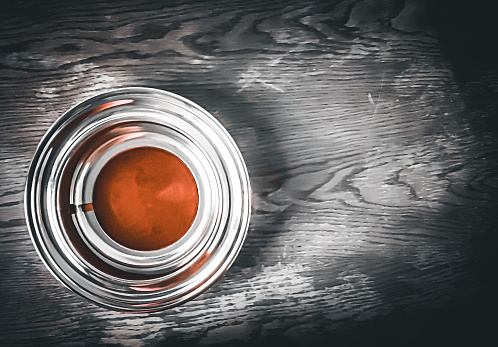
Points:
[[369, 129]]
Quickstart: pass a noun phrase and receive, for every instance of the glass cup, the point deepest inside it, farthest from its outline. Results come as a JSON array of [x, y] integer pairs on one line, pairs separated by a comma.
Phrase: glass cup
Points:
[[60, 191]]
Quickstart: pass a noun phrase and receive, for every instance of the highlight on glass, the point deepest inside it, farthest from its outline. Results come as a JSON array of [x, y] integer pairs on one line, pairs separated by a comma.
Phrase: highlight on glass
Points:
[[137, 199]]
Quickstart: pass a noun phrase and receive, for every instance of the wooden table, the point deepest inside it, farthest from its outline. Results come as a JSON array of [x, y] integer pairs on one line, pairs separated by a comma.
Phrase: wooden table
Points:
[[369, 129]]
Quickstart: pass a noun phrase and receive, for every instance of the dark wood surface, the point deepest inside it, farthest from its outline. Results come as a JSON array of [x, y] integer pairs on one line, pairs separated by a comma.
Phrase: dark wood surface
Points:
[[369, 129]]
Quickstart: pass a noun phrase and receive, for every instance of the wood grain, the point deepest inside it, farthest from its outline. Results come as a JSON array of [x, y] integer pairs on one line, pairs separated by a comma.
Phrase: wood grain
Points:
[[370, 137]]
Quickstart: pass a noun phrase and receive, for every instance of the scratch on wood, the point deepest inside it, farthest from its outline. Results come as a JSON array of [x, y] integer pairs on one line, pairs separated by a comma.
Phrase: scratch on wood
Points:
[[251, 77], [370, 98]]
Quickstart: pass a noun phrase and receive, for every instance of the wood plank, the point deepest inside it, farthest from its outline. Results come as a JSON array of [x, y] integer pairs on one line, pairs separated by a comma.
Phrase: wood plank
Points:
[[371, 146]]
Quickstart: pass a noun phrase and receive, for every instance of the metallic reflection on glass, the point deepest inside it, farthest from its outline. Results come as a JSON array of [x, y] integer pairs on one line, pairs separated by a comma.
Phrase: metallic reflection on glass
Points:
[[59, 193]]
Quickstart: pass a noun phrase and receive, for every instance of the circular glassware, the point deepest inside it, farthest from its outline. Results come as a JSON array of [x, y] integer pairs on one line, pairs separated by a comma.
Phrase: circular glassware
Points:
[[64, 227]]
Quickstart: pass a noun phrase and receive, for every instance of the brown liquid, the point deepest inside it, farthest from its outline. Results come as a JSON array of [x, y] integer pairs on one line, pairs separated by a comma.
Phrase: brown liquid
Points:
[[145, 198]]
